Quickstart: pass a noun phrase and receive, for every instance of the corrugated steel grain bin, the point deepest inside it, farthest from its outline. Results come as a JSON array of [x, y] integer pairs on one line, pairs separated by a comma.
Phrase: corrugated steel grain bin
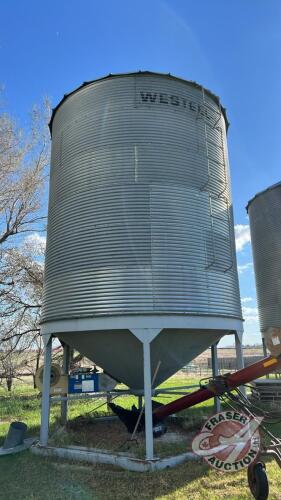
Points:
[[140, 227], [265, 224]]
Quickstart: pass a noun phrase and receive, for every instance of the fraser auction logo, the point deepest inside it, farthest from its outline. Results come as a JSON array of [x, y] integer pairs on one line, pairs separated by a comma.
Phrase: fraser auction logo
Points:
[[229, 441]]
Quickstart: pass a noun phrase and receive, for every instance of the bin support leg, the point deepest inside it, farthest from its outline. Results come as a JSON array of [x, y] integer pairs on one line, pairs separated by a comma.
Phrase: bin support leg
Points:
[[239, 355], [65, 370], [147, 401], [264, 348], [215, 371], [239, 350], [45, 409], [146, 336]]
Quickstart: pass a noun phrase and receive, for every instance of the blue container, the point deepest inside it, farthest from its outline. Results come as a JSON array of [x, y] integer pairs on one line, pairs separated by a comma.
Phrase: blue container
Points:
[[83, 382]]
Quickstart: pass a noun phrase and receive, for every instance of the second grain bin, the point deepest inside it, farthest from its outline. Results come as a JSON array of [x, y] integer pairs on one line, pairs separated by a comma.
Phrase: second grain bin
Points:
[[265, 223], [140, 229]]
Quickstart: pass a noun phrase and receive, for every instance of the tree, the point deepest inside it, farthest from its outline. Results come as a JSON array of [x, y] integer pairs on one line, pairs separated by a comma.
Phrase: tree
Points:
[[15, 363], [24, 157], [21, 304], [23, 161]]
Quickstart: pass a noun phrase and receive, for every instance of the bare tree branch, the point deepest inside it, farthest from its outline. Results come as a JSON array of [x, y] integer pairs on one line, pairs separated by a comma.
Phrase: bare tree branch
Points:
[[24, 157]]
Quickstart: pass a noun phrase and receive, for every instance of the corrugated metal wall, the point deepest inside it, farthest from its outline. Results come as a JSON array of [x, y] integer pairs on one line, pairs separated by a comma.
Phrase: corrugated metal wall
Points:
[[140, 214], [265, 223]]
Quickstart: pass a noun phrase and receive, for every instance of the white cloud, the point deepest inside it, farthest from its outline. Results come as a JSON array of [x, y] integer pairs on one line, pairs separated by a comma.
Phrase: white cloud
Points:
[[242, 236], [244, 267], [246, 299], [250, 313]]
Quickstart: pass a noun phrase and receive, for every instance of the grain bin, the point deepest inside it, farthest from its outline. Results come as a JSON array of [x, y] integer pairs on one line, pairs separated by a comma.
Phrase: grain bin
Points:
[[140, 226], [265, 224]]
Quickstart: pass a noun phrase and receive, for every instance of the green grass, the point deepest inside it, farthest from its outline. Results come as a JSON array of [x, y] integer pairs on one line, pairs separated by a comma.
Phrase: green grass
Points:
[[27, 477]]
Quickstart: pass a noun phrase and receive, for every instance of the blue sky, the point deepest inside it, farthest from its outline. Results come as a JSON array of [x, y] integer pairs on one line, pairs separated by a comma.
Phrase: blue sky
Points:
[[231, 47]]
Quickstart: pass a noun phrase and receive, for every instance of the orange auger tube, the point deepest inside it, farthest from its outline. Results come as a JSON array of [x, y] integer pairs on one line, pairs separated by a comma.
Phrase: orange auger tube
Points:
[[230, 381]]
